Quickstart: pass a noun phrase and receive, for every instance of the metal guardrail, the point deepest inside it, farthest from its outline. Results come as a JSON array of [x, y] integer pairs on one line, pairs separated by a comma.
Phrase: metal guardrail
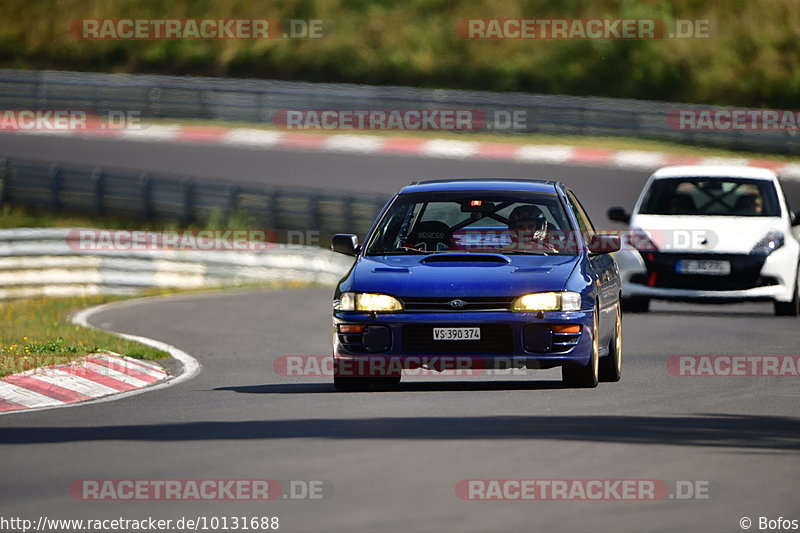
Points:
[[151, 197], [42, 262], [154, 96]]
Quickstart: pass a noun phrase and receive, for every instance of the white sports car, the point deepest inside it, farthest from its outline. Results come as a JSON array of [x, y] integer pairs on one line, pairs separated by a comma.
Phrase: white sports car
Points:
[[711, 234]]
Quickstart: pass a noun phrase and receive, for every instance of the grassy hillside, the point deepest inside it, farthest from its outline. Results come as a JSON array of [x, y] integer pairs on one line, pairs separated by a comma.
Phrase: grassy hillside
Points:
[[754, 59]]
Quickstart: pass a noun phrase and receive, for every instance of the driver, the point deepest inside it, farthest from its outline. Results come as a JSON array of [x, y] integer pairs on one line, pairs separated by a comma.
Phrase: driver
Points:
[[528, 229]]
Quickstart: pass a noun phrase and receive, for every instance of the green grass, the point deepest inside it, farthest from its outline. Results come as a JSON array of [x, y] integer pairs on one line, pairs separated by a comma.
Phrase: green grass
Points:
[[752, 58], [38, 332]]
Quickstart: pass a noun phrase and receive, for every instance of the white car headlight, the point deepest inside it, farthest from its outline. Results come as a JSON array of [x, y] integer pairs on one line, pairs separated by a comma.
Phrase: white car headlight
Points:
[[370, 302], [771, 242], [548, 301]]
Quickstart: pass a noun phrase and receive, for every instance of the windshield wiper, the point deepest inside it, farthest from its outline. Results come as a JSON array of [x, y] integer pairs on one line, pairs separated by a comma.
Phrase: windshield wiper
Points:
[[524, 252], [400, 251]]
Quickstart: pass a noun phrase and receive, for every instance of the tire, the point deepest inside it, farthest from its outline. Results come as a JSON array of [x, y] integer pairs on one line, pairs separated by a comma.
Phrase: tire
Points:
[[791, 308], [636, 304], [611, 365], [351, 384], [344, 381], [586, 376], [387, 380]]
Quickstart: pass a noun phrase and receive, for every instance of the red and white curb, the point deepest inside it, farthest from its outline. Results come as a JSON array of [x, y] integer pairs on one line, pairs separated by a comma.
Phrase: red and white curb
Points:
[[93, 376], [434, 148]]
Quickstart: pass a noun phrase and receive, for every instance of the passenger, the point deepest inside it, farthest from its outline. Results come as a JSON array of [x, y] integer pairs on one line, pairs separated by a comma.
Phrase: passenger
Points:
[[749, 204]]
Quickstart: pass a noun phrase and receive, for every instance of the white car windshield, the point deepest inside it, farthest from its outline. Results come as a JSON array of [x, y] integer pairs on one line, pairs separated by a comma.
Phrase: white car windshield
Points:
[[711, 197]]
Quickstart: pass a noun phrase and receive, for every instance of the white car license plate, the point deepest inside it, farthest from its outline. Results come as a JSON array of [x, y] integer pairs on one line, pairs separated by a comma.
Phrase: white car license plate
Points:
[[699, 266], [456, 334]]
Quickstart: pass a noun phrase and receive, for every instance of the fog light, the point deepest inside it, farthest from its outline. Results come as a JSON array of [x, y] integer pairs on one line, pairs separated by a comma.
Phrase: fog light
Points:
[[566, 328], [351, 328]]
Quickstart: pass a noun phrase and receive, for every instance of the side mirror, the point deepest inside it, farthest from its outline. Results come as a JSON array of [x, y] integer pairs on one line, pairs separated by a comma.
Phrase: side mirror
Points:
[[796, 218], [345, 243], [604, 243], [618, 214]]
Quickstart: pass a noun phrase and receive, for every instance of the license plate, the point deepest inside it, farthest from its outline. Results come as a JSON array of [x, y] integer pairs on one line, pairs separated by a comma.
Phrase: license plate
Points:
[[456, 334], [697, 266]]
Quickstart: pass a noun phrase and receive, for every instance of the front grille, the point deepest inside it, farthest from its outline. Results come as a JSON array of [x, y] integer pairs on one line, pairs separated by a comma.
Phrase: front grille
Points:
[[495, 339], [563, 342], [374, 339], [540, 338], [498, 303], [745, 272]]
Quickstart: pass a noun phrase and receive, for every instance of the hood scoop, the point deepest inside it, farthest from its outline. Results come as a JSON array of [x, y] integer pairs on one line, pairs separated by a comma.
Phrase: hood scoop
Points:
[[541, 270], [466, 258], [396, 270]]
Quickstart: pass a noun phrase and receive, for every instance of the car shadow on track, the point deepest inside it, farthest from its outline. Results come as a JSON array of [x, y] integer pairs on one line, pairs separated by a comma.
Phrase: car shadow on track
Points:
[[711, 314], [411, 386], [732, 432], [730, 310]]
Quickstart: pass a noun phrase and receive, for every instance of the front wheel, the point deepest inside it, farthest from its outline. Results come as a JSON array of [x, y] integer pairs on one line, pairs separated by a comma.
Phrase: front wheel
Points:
[[351, 384], [585, 376], [345, 381], [611, 365], [387, 380], [791, 308]]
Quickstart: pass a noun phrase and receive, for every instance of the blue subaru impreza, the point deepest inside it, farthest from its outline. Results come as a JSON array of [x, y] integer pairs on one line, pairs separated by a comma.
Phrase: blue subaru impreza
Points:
[[478, 274]]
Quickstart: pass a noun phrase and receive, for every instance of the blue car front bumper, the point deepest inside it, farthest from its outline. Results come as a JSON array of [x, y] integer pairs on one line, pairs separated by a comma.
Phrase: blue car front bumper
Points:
[[508, 339]]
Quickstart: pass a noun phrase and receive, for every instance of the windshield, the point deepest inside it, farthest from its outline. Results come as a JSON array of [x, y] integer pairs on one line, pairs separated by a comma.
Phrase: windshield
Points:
[[425, 223], [711, 197]]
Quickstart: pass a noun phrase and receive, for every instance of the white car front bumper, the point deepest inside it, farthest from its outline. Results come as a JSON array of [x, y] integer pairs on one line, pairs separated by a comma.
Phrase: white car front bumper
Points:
[[781, 266]]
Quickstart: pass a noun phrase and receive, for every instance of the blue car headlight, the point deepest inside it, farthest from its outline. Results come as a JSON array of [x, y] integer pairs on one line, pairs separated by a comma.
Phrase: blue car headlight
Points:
[[548, 301], [369, 302], [769, 243]]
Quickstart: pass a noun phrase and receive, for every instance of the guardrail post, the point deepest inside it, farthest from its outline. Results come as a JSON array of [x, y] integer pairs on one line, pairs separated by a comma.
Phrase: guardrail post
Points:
[[153, 103], [97, 182], [55, 187], [792, 145], [145, 184], [5, 182], [233, 192], [264, 113], [205, 102], [274, 217], [188, 201], [316, 215], [347, 223]]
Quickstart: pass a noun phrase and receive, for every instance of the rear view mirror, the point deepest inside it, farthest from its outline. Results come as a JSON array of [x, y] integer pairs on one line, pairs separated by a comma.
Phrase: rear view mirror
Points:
[[478, 206], [619, 214], [345, 243]]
